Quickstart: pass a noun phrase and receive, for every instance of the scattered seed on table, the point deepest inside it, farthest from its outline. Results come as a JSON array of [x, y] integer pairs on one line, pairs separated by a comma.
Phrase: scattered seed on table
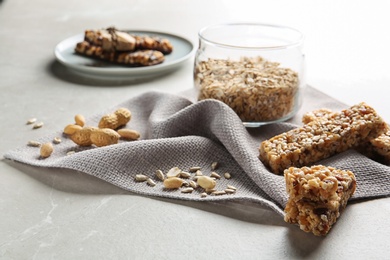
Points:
[[31, 121], [70, 152], [34, 143], [38, 125], [203, 195]]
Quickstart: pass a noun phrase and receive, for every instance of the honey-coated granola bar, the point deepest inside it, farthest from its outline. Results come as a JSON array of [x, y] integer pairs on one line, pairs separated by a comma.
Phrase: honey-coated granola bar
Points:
[[322, 138], [317, 196]]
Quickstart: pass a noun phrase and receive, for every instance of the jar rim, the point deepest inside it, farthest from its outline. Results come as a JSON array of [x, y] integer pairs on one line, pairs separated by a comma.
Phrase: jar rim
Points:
[[298, 40]]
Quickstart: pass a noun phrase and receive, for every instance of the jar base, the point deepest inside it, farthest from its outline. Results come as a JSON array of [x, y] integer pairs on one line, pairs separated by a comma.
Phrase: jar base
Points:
[[258, 124]]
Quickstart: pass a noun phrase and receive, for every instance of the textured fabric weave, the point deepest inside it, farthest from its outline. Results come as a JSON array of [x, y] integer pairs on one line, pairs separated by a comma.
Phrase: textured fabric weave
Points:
[[177, 132]]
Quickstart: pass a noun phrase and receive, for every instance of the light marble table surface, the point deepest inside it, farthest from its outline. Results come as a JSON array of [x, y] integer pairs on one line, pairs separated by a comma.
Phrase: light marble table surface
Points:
[[60, 214]]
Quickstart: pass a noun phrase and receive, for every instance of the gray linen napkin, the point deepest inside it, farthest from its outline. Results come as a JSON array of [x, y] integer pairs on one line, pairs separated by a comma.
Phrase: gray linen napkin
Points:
[[176, 132]]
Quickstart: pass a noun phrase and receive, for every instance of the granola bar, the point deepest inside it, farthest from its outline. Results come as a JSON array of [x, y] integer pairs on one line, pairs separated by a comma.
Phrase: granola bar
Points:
[[317, 196], [111, 39], [316, 114], [322, 138], [136, 58], [376, 148], [381, 145]]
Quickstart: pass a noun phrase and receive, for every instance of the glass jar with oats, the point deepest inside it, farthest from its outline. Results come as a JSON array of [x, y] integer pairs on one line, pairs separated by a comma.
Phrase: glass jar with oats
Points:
[[256, 69]]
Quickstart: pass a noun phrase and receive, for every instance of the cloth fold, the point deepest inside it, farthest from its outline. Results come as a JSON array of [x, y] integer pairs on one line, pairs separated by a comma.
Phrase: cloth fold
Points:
[[178, 133]]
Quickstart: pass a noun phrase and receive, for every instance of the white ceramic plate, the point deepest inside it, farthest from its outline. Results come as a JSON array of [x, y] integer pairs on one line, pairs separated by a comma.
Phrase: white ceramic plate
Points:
[[183, 49]]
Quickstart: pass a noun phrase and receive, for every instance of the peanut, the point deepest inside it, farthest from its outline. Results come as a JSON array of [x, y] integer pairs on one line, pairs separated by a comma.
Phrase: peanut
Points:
[[83, 136], [129, 134], [113, 121], [173, 172], [71, 129], [206, 182], [104, 137], [124, 115], [173, 183], [46, 150], [109, 121], [80, 120]]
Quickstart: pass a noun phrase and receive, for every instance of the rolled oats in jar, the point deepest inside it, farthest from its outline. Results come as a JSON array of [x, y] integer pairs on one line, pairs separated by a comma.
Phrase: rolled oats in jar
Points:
[[256, 69]]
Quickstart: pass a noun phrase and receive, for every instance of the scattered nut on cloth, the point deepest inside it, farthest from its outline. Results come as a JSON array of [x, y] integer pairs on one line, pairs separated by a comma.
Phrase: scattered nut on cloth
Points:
[[178, 133]]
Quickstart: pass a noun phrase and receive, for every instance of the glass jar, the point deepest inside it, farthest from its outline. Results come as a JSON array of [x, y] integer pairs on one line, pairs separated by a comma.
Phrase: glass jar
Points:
[[256, 69]]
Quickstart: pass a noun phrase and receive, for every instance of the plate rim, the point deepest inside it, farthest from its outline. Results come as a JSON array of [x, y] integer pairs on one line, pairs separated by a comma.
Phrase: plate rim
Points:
[[127, 72]]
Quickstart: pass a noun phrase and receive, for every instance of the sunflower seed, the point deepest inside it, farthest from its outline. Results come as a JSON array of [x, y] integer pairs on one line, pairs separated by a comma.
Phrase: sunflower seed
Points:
[[203, 195], [141, 177], [218, 192], [160, 175], [214, 165], [193, 184], [198, 173], [34, 143], [195, 168], [227, 175], [31, 121], [187, 190], [57, 140], [210, 190], [38, 125], [230, 191], [215, 175], [231, 187], [185, 175], [151, 182]]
